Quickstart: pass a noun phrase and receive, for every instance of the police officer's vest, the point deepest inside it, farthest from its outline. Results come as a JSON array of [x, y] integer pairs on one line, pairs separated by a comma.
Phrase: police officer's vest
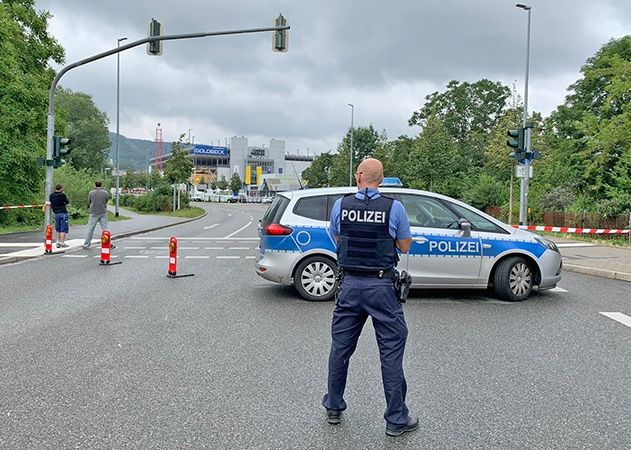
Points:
[[365, 243]]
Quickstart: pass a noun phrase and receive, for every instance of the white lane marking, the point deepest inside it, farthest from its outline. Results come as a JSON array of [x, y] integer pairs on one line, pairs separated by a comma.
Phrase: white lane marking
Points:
[[227, 257], [229, 214], [19, 244], [618, 317], [238, 248], [240, 229], [213, 248], [161, 257], [74, 256], [211, 226], [137, 256], [159, 248], [111, 256], [574, 244], [197, 257], [188, 248], [557, 289], [135, 248], [165, 238], [250, 257]]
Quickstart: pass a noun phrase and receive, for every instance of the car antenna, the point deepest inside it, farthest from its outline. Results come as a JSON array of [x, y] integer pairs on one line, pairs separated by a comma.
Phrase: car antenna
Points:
[[296, 173]]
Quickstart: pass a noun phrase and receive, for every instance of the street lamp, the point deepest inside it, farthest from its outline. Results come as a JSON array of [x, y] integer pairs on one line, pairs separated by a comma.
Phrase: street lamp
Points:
[[523, 194], [350, 167], [118, 79]]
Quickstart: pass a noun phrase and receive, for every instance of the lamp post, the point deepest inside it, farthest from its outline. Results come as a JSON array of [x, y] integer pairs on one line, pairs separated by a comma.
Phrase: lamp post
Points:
[[523, 191], [118, 79], [350, 167]]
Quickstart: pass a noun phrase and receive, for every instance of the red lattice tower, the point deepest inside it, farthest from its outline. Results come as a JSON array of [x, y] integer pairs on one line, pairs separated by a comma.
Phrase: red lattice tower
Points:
[[158, 146]]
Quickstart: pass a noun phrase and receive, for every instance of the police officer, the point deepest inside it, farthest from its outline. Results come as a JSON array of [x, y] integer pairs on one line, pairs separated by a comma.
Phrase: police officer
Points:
[[368, 229]]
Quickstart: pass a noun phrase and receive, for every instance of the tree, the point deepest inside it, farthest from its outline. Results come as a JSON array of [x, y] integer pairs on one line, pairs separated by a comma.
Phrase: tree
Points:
[[235, 183], [222, 184], [590, 134], [179, 167], [26, 49], [87, 129], [469, 111], [434, 157], [365, 141], [318, 174]]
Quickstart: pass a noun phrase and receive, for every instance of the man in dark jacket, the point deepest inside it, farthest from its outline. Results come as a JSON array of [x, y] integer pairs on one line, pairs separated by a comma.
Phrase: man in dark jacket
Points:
[[58, 202]]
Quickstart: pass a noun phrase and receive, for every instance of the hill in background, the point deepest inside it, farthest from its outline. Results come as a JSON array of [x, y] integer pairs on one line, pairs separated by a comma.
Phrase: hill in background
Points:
[[134, 153]]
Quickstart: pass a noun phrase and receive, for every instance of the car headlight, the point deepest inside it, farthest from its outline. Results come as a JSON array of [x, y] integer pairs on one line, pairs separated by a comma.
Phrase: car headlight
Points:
[[547, 243]]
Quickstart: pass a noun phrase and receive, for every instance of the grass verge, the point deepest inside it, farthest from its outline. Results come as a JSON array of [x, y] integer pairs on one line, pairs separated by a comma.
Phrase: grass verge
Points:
[[80, 221], [187, 213]]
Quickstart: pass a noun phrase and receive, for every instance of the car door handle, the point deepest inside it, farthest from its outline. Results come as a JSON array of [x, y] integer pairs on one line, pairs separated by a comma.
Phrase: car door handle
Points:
[[420, 240], [486, 245]]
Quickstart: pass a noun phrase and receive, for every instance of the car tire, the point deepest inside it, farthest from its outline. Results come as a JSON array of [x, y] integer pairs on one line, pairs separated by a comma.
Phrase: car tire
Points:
[[513, 279], [314, 279]]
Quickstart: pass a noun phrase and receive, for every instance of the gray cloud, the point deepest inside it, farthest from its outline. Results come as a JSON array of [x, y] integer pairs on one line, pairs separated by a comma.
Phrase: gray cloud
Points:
[[384, 57]]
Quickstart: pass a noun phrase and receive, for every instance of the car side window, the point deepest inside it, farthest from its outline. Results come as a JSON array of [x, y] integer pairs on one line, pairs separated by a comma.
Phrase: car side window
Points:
[[427, 212], [312, 207], [331, 202], [478, 223]]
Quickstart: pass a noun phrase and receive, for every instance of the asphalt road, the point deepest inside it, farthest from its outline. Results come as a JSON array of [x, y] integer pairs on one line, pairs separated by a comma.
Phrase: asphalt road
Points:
[[122, 356]]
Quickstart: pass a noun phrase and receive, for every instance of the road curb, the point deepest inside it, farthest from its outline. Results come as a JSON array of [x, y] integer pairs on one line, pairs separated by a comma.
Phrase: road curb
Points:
[[604, 273], [15, 259]]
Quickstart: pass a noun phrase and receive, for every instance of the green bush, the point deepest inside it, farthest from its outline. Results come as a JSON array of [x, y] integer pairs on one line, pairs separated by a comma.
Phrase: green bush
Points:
[[77, 185]]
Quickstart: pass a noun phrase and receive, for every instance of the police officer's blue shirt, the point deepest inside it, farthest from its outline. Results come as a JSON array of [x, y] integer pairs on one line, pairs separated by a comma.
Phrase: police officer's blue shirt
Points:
[[399, 224]]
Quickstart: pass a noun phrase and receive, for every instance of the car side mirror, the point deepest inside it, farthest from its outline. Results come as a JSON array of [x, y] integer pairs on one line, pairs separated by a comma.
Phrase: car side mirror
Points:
[[465, 226]]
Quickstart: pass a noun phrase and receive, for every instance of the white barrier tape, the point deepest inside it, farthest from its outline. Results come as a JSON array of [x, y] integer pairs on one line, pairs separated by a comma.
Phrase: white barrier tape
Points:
[[22, 206], [572, 230]]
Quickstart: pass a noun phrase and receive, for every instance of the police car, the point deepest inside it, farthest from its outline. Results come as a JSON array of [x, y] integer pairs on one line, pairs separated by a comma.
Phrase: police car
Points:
[[454, 246]]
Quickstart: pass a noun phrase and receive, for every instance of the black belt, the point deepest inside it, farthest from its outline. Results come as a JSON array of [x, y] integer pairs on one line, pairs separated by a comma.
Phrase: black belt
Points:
[[370, 273]]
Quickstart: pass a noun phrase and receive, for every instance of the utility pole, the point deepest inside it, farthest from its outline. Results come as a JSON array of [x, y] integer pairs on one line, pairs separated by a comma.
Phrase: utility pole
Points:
[[523, 192]]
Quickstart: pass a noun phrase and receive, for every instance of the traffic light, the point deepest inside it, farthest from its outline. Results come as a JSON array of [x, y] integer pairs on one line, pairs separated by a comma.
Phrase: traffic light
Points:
[[155, 29], [517, 142], [59, 150], [280, 38]]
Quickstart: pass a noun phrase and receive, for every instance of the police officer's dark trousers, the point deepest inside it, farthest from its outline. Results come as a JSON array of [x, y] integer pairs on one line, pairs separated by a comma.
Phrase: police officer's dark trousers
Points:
[[360, 297]]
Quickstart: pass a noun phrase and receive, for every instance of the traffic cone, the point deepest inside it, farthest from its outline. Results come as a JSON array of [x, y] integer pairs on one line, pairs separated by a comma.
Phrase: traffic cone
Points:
[[172, 273], [106, 246], [48, 240], [172, 257]]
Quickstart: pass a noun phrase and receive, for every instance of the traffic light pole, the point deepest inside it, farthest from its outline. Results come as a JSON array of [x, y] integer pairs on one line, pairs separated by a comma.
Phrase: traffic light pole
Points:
[[523, 193], [53, 87]]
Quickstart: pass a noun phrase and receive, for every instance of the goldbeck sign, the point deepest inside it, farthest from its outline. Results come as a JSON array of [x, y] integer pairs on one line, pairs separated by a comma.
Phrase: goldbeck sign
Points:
[[215, 150]]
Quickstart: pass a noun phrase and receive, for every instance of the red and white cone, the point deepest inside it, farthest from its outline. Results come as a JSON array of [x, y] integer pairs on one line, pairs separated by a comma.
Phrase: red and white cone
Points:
[[48, 240], [173, 260], [172, 257], [106, 245]]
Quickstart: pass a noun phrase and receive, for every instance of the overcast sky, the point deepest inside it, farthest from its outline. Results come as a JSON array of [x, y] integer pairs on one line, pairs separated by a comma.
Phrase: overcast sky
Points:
[[383, 57]]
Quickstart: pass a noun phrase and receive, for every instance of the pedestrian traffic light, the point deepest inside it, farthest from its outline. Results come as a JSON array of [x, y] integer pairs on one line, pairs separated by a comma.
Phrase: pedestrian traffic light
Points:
[[155, 29], [280, 38], [59, 150]]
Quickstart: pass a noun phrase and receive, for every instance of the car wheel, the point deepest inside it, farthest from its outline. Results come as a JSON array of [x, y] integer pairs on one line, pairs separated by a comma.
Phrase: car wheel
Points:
[[315, 279], [513, 280]]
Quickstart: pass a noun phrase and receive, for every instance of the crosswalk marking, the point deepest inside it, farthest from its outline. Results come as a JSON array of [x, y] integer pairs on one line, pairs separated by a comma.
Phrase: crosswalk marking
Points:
[[618, 317]]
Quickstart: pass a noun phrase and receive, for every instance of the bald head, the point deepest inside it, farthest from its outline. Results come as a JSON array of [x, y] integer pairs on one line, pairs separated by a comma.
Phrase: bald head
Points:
[[369, 173]]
